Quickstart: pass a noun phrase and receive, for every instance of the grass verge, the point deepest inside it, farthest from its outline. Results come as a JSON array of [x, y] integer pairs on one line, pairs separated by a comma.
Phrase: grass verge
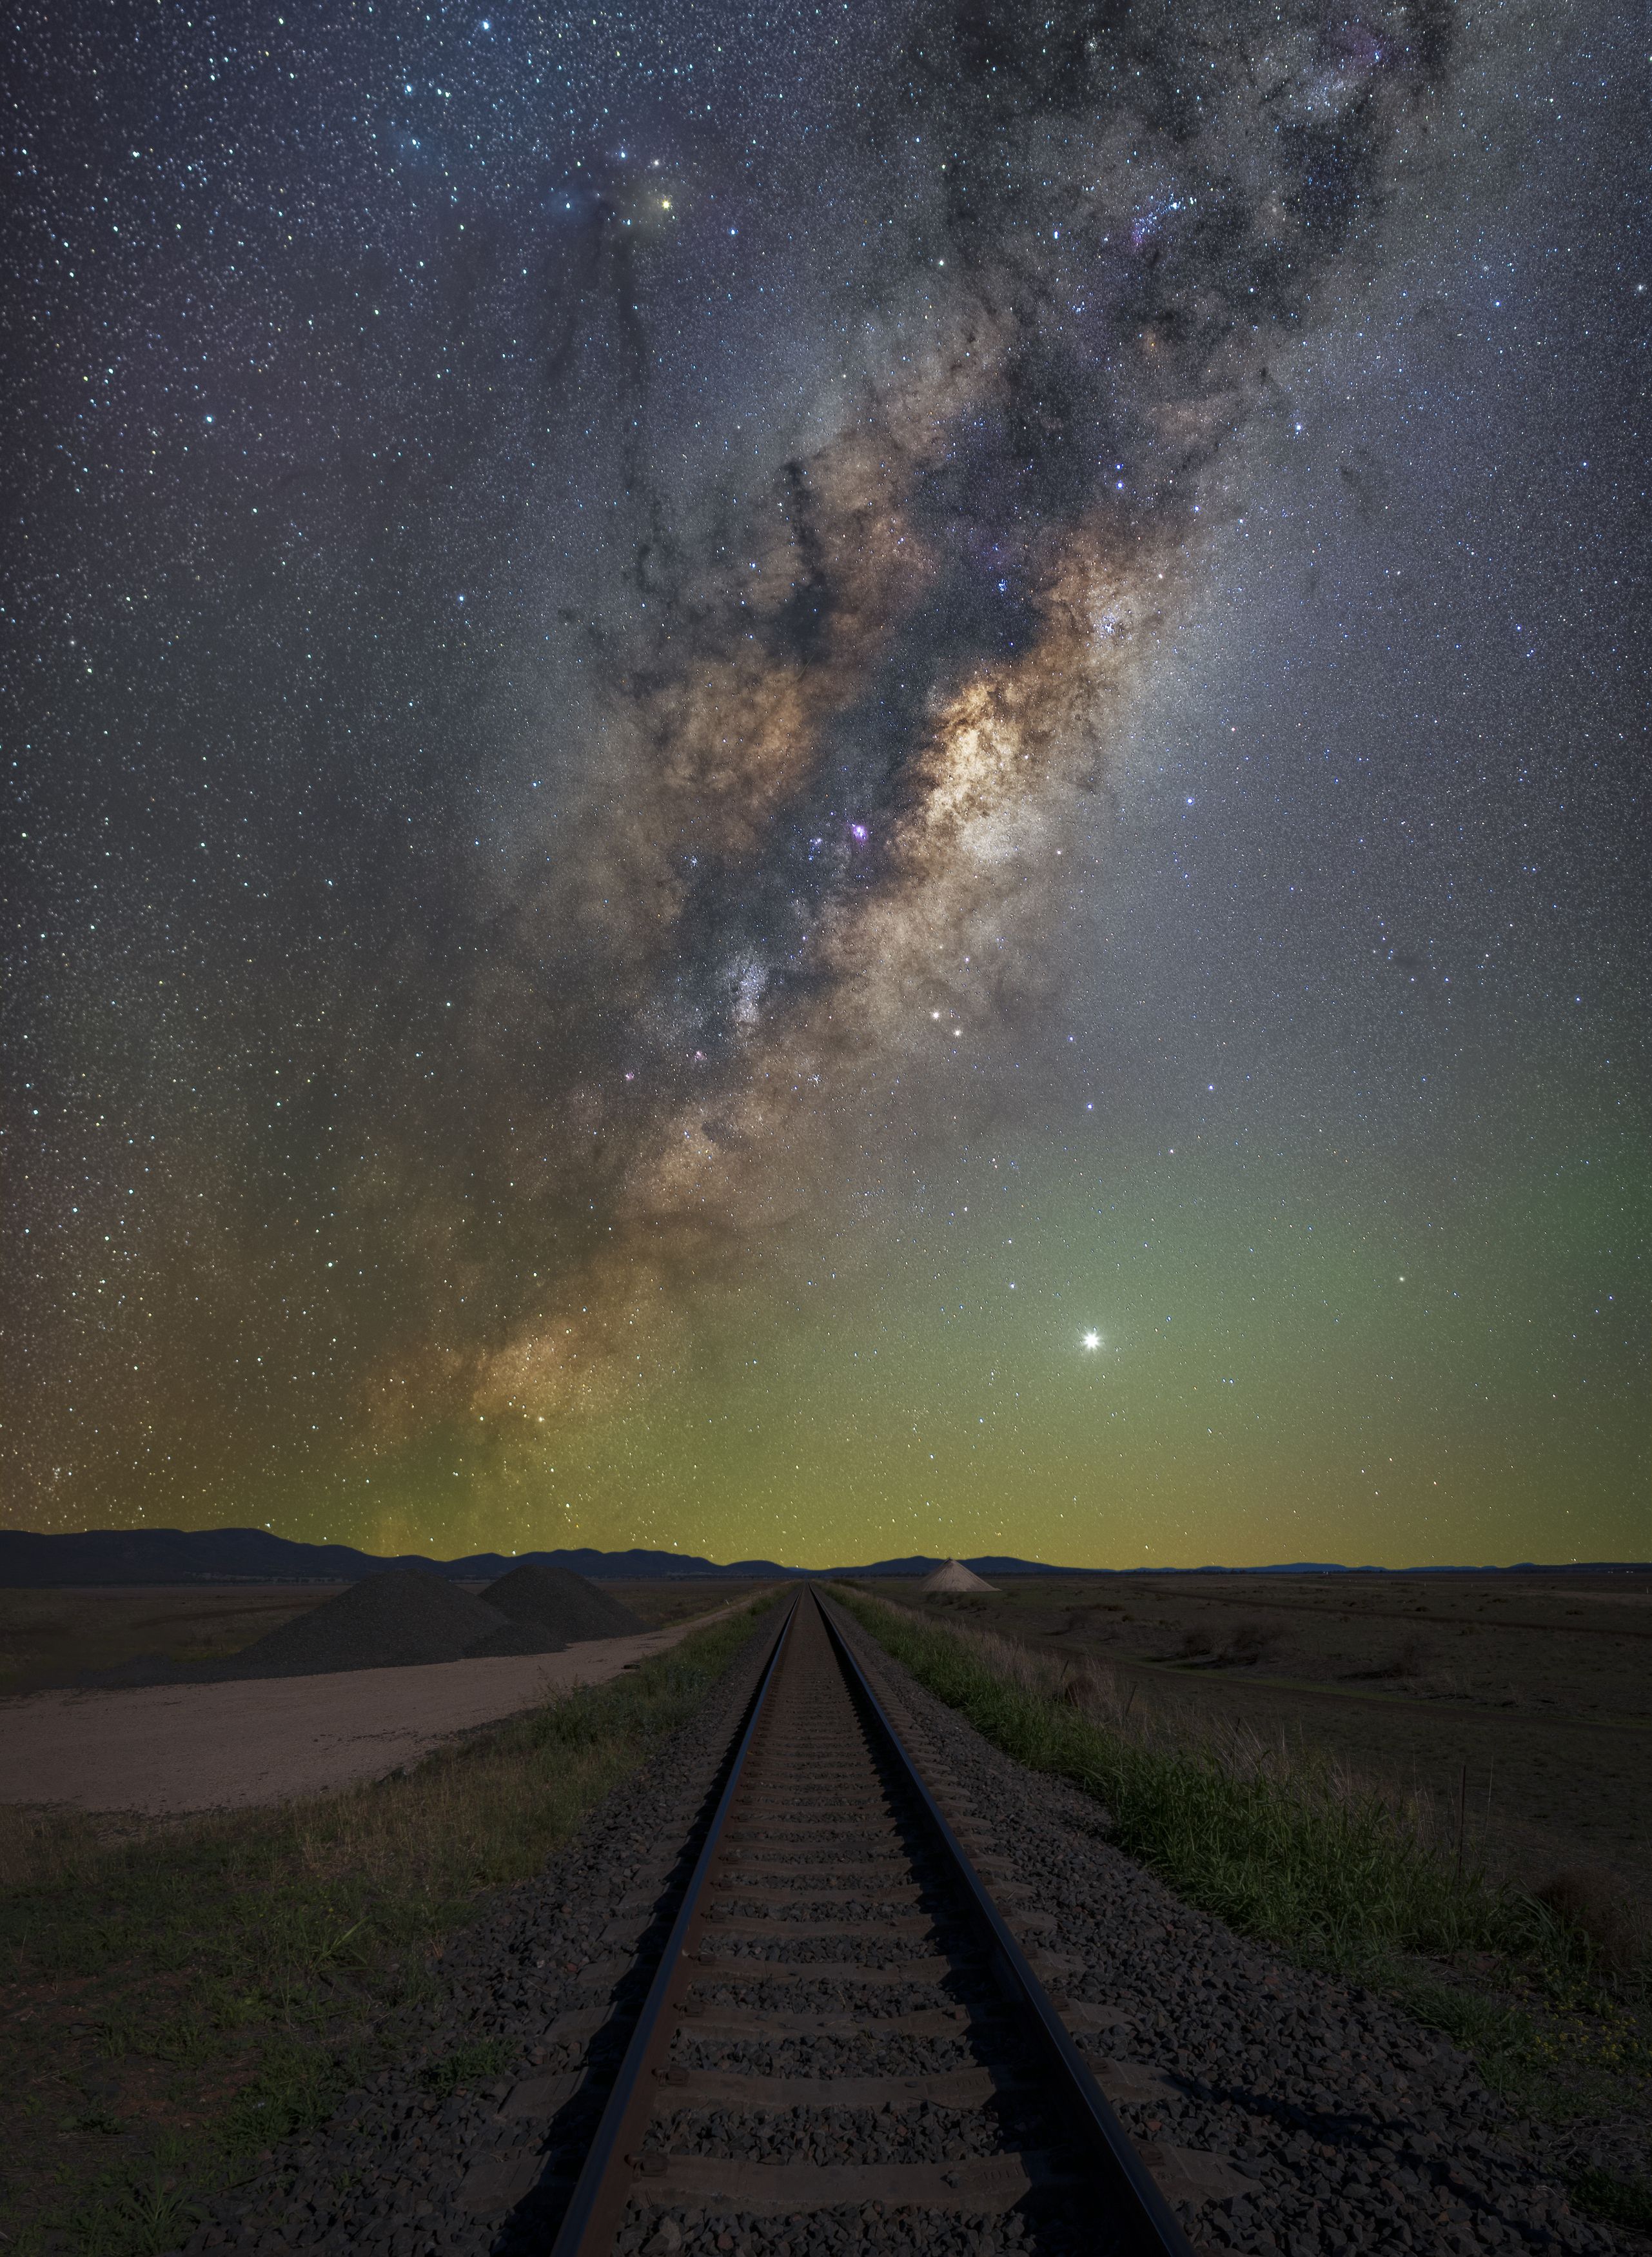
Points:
[[1341, 1873], [180, 2001]]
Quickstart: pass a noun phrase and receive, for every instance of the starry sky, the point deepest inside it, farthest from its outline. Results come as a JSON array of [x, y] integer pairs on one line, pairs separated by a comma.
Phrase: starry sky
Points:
[[829, 782]]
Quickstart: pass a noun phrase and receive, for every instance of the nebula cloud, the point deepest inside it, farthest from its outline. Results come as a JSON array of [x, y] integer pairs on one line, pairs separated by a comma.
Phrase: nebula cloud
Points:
[[840, 759]]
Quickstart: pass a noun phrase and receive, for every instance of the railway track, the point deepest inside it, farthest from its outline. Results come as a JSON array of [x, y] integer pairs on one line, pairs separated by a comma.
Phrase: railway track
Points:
[[759, 2008], [842, 2016]]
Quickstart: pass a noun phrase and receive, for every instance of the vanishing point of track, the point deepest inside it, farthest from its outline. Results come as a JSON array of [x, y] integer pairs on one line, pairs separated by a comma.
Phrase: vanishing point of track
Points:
[[829, 1858]]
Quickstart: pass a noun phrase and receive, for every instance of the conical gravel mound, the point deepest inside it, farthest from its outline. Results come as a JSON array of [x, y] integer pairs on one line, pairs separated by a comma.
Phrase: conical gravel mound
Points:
[[563, 1604], [392, 1620], [401, 1619], [954, 1576]]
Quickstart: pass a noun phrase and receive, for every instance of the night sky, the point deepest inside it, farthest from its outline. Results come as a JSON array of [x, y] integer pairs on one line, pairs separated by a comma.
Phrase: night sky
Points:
[[858, 780]]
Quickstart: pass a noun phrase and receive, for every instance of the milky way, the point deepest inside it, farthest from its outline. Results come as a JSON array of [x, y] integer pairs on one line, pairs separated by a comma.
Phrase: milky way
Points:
[[602, 754], [846, 745]]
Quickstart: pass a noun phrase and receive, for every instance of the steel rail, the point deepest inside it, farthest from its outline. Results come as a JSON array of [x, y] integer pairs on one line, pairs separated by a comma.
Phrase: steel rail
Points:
[[1149, 2217], [598, 2203]]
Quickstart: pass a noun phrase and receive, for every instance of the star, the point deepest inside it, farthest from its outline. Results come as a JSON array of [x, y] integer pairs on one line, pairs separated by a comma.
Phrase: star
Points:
[[1093, 1340]]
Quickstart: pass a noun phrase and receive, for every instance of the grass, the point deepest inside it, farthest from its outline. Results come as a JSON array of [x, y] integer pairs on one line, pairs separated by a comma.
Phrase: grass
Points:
[[467, 2064], [1617, 2201], [1548, 1997], [142, 2217], [224, 1982], [1276, 1845]]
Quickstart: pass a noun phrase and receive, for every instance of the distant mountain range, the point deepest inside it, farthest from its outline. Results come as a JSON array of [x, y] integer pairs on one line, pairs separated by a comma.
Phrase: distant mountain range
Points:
[[253, 1555]]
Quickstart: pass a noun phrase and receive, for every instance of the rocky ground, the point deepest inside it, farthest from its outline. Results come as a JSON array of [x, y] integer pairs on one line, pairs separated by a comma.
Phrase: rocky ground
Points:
[[1342, 2126]]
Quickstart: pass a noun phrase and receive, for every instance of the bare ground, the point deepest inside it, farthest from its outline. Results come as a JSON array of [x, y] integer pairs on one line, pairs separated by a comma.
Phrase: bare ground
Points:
[[163, 1751]]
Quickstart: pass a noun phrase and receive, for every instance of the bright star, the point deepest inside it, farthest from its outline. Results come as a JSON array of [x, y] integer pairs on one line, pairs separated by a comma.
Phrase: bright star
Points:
[[1093, 1340]]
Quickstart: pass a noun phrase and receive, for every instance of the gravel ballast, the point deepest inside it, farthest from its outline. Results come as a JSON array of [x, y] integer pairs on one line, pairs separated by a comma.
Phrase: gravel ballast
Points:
[[1340, 2125]]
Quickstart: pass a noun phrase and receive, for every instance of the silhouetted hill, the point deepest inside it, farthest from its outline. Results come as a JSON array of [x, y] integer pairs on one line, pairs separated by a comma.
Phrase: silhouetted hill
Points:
[[29, 1561], [235, 1555]]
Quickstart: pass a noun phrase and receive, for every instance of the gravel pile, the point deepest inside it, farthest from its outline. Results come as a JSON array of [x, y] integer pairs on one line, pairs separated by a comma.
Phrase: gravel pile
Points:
[[386, 1622], [1353, 2129], [397, 1620], [557, 1600]]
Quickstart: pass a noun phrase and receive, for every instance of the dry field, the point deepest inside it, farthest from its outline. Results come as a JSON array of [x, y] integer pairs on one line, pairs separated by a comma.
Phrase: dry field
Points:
[[49, 1638], [1525, 1702]]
